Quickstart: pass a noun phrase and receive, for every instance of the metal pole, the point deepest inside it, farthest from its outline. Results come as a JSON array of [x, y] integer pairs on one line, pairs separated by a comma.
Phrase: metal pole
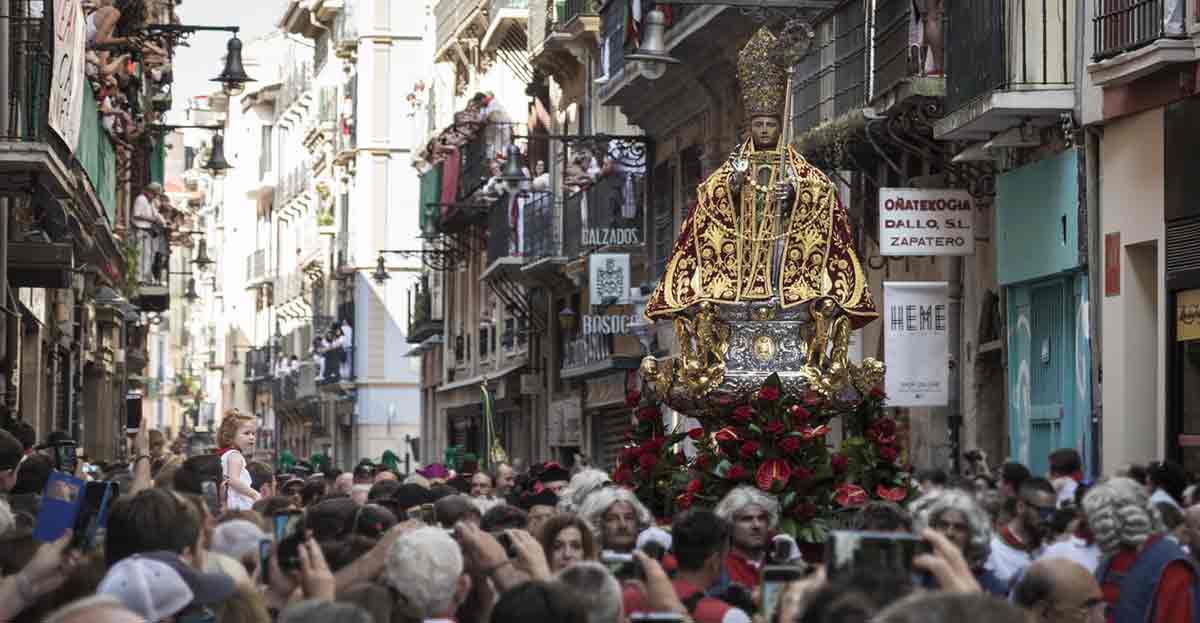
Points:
[[954, 338]]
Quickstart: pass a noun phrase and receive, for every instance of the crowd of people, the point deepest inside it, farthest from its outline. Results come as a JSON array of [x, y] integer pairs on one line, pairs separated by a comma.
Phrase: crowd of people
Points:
[[222, 537]]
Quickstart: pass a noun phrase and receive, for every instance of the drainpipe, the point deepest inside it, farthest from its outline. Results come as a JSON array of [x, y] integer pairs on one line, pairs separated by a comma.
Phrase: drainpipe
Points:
[[8, 358], [1095, 289], [954, 418]]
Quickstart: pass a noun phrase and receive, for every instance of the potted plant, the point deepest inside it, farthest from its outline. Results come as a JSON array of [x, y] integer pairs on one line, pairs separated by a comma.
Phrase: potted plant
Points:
[[325, 223]]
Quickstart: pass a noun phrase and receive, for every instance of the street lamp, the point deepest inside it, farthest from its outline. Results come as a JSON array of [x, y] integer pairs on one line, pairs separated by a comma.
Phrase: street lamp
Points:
[[567, 317], [652, 53], [233, 78], [513, 175], [217, 165], [191, 296], [381, 274], [202, 260]]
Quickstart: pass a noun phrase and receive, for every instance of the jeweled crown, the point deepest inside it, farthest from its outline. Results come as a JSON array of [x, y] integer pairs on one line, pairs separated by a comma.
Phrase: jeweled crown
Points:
[[764, 84]]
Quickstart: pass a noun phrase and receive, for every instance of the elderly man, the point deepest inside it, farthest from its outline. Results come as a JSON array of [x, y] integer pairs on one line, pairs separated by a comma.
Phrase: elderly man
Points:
[[616, 517], [425, 567], [1145, 576], [753, 516], [1017, 542], [1057, 590], [957, 515]]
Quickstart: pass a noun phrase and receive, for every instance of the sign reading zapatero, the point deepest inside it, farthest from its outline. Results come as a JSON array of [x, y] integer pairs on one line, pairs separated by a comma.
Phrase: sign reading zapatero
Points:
[[922, 221]]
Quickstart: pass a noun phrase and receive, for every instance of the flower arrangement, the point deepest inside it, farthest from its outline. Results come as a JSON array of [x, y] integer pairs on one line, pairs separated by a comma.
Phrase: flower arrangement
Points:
[[777, 442]]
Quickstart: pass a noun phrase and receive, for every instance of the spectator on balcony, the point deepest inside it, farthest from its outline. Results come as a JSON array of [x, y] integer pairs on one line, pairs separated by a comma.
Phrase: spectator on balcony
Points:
[[333, 355], [293, 365], [628, 160], [111, 25], [150, 228], [319, 346], [541, 178], [346, 343]]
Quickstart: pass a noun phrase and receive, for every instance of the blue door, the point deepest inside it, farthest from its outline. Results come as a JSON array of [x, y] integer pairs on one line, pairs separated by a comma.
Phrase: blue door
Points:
[[1048, 369]]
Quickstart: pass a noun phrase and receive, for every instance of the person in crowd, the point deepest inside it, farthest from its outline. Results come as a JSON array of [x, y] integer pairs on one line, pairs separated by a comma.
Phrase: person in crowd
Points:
[[1144, 575], [504, 517], [425, 567], [150, 521], [699, 540], [539, 601], [293, 488], [1016, 544], [11, 455], [1057, 590], [50, 566], [567, 540], [32, 475], [434, 474], [236, 438], [554, 477], [151, 226], [579, 487], [239, 539], [1066, 472], [616, 517], [262, 478], [455, 508], [343, 483], [539, 508], [364, 472], [503, 479], [958, 517], [384, 474], [1134, 472], [159, 586], [1012, 476], [881, 516], [753, 516], [481, 486], [318, 611], [1166, 481], [1080, 545], [1189, 533], [930, 479], [26, 434], [948, 607], [596, 588]]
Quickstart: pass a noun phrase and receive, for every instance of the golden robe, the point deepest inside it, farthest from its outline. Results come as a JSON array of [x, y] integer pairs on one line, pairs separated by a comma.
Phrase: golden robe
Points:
[[726, 251]]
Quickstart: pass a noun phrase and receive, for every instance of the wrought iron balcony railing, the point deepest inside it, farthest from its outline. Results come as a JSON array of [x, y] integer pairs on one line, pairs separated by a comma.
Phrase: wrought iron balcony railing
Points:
[[1124, 25], [831, 79]]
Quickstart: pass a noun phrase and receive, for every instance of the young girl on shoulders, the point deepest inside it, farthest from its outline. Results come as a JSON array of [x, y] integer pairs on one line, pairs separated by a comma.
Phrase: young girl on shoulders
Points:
[[236, 438]]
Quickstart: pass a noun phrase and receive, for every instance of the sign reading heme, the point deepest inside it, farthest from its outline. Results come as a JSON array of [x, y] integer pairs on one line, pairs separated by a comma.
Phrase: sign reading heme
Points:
[[924, 221]]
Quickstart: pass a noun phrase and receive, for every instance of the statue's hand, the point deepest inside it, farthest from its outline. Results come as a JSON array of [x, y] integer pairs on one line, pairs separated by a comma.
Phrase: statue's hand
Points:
[[785, 192], [740, 168]]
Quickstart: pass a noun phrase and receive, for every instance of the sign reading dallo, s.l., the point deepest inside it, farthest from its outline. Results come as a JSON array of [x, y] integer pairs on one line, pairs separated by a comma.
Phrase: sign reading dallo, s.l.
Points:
[[925, 221]]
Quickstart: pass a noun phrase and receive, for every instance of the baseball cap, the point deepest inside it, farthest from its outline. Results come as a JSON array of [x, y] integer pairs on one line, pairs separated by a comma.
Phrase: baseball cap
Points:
[[11, 451], [237, 538], [207, 588], [148, 587]]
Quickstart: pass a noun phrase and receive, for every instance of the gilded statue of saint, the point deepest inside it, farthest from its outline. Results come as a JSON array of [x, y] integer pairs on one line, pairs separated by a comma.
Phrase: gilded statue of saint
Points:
[[767, 225]]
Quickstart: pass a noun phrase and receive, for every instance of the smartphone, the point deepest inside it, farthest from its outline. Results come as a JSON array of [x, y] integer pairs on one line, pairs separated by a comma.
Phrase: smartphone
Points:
[[506, 542], [284, 524], [622, 566], [846, 550], [774, 579], [133, 412], [289, 534], [264, 557], [64, 455]]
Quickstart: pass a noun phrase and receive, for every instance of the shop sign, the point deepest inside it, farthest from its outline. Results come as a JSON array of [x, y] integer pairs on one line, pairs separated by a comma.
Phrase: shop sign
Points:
[[608, 278], [1187, 315], [924, 221], [67, 79], [609, 324], [611, 236], [916, 345], [565, 422]]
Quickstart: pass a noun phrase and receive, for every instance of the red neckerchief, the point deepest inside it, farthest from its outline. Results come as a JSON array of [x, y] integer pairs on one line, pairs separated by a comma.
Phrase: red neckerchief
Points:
[[1012, 540], [1076, 475], [222, 451]]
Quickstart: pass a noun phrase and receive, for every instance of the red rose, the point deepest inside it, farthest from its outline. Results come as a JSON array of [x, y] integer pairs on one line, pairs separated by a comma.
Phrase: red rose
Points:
[[804, 511], [726, 434], [800, 474], [633, 398], [684, 501], [877, 393], [790, 445], [649, 414], [888, 453], [749, 449], [886, 440], [769, 393], [813, 433], [702, 462], [849, 496], [693, 486], [800, 414], [839, 463], [622, 475], [894, 494], [774, 428], [743, 413], [885, 426], [773, 473], [628, 453], [736, 473], [648, 461], [696, 433]]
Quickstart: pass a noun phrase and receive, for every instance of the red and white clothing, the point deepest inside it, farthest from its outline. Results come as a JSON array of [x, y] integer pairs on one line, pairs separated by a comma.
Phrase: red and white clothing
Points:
[[1010, 555], [742, 570]]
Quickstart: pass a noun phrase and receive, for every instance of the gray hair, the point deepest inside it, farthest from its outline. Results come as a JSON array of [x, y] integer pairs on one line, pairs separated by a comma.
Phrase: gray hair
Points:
[[316, 611], [929, 507], [744, 496], [87, 604], [424, 566], [1119, 514], [944, 607], [595, 505], [580, 486], [597, 588]]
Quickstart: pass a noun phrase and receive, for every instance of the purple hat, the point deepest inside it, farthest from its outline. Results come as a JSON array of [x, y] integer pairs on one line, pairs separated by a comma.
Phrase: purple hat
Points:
[[434, 471]]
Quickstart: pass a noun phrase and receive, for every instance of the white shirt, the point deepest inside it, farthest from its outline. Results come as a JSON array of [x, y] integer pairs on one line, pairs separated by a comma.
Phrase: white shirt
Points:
[[1077, 550], [1005, 560], [1066, 494], [144, 212], [1162, 496], [233, 499]]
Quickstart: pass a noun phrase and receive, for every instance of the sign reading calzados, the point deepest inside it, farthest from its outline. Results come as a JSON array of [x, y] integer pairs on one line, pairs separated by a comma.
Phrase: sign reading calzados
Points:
[[923, 221]]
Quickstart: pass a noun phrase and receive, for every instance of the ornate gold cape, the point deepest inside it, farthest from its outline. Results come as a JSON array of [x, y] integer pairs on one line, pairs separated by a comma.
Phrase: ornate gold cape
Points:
[[725, 255]]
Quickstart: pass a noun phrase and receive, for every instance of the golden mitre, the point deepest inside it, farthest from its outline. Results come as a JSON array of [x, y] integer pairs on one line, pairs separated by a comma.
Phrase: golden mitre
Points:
[[764, 84]]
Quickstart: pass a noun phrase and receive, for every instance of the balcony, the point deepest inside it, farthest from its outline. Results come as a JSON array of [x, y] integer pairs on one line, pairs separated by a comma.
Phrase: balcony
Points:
[[831, 80], [570, 28], [298, 385], [454, 18], [1135, 38], [1008, 62], [258, 364], [505, 248], [900, 71], [507, 20], [596, 354], [469, 208], [421, 323]]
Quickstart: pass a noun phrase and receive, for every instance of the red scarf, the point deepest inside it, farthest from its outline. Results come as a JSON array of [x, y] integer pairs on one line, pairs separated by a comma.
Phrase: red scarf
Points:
[[1007, 536], [221, 451]]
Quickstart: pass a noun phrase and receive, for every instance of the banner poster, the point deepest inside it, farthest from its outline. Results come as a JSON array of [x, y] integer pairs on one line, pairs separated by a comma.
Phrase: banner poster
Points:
[[67, 74], [916, 346]]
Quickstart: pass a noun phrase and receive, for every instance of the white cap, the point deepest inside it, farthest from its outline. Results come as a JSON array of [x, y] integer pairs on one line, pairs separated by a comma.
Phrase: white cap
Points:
[[148, 587], [237, 538]]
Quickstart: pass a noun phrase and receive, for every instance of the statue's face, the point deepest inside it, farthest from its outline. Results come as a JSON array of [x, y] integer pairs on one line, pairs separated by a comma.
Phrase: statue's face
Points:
[[765, 130]]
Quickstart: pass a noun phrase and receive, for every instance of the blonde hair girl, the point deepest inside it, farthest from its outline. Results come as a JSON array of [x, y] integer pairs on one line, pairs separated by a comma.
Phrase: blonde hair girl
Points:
[[237, 437]]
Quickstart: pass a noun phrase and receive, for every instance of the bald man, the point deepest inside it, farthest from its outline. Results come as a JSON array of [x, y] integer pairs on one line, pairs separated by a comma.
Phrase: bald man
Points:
[[96, 609], [1057, 590], [1189, 531]]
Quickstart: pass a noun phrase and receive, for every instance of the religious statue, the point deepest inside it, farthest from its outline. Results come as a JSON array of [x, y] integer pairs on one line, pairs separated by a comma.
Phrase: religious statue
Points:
[[763, 277]]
